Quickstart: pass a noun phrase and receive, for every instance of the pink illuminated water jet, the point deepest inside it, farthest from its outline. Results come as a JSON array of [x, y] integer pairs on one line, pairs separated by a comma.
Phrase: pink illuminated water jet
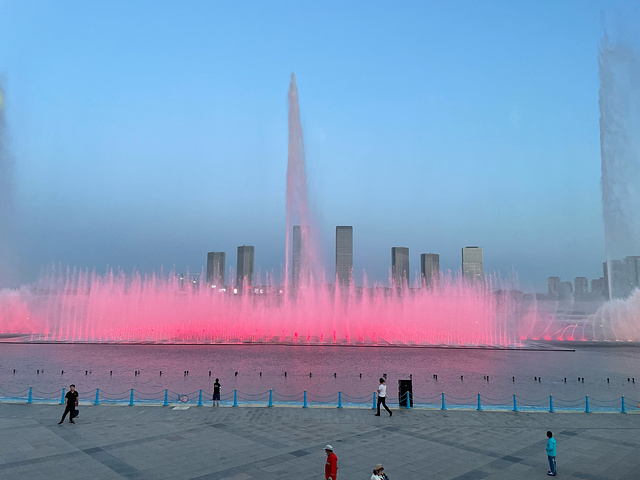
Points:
[[87, 307]]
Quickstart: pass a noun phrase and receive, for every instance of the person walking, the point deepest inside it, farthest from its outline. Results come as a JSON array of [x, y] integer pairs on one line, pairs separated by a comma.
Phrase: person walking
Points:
[[378, 473], [382, 397], [331, 467], [551, 454], [72, 403], [216, 393]]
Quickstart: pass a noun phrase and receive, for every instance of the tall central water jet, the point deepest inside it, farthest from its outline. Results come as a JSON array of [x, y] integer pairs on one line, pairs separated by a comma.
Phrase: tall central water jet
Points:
[[299, 265], [619, 66], [6, 184]]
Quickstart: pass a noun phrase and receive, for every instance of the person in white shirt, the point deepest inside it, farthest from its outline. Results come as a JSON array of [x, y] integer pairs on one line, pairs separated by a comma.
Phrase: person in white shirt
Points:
[[382, 397], [378, 473]]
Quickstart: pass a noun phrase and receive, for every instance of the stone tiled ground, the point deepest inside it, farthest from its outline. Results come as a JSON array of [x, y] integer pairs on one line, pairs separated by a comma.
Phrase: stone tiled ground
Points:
[[243, 443]]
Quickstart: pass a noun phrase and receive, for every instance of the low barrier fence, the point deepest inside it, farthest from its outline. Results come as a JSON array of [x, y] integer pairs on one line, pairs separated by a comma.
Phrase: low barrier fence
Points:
[[339, 399]]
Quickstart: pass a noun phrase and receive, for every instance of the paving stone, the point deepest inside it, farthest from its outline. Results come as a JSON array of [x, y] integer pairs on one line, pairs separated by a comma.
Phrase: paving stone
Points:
[[246, 443]]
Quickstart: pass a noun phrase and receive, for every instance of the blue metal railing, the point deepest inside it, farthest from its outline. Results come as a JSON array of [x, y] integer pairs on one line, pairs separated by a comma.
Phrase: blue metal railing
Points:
[[306, 399]]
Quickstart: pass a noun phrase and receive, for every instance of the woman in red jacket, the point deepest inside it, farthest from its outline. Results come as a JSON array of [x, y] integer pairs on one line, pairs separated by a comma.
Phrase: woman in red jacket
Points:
[[331, 467]]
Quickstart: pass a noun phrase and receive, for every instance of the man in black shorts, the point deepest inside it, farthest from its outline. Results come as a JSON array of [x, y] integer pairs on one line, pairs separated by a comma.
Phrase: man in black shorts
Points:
[[72, 403]]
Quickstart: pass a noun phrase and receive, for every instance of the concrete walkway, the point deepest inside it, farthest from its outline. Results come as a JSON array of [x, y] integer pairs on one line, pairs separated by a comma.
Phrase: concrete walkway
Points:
[[243, 443]]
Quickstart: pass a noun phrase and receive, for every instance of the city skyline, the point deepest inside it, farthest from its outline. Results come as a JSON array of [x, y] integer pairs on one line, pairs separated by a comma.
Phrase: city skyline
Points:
[[471, 268], [114, 159]]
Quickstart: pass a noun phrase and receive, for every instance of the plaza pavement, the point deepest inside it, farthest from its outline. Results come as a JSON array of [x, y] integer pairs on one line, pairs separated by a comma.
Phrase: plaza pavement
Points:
[[244, 443]]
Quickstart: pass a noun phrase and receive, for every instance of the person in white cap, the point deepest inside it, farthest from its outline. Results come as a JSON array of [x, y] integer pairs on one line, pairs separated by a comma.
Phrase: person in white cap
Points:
[[331, 467]]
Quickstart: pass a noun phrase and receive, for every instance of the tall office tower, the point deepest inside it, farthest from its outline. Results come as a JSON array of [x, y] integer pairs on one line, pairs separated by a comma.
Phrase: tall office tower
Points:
[[597, 286], [215, 269], [617, 278], [633, 271], [553, 284], [472, 267], [430, 268], [300, 274], [580, 287], [244, 270], [344, 255], [400, 266]]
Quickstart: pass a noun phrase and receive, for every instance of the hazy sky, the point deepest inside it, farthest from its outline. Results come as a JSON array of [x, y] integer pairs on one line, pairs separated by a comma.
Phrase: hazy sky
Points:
[[145, 134]]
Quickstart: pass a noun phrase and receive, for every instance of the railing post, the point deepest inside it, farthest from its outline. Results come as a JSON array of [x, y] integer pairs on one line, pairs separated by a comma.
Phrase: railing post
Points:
[[550, 403], [515, 403], [443, 405], [200, 398], [623, 409], [408, 400], [339, 398], [166, 397], [479, 406], [97, 402], [131, 398], [62, 397], [586, 404], [235, 397], [373, 407], [30, 399], [271, 397], [305, 400]]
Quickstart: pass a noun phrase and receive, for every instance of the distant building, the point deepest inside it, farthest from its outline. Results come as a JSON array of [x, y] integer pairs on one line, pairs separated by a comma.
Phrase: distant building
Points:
[[400, 266], [566, 290], [553, 285], [244, 270], [472, 264], [617, 276], [430, 268], [598, 287], [580, 287], [344, 255], [215, 269], [633, 271], [300, 274], [186, 281]]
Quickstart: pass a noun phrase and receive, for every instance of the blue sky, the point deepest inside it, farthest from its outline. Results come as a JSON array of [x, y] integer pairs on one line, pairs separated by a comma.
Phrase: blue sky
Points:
[[145, 134]]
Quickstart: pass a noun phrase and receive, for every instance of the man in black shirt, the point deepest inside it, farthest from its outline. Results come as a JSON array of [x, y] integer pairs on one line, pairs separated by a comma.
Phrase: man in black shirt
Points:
[[72, 403], [216, 393]]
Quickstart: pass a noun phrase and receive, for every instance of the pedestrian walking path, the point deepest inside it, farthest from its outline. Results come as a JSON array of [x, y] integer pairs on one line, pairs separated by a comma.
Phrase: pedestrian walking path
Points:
[[286, 443]]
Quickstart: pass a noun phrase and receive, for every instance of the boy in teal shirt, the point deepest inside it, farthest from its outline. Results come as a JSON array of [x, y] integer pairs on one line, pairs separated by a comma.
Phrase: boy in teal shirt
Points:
[[551, 454]]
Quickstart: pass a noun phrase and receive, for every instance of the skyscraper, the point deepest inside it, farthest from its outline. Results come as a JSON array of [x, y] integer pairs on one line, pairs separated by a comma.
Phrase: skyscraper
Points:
[[430, 268], [215, 269], [300, 274], [633, 270], [553, 286], [400, 266], [580, 287], [566, 290], [617, 275], [598, 287], [472, 266], [344, 255], [244, 271]]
